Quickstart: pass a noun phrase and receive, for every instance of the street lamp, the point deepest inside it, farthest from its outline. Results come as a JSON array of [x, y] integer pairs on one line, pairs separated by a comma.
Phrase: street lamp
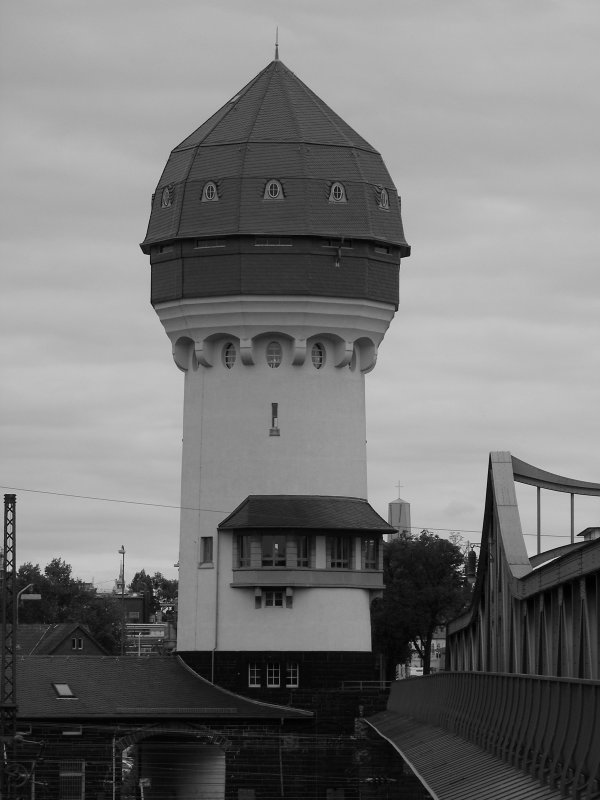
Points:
[[22, 596], [122, 553]]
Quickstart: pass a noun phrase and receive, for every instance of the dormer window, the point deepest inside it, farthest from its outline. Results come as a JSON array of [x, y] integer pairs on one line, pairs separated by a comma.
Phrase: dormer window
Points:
[[210, 193], [166, 198], [273, 190], [383, 198], [337, 193]]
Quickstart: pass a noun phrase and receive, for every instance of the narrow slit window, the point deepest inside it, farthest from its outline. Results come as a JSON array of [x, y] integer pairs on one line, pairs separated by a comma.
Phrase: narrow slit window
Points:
[[206, 550]]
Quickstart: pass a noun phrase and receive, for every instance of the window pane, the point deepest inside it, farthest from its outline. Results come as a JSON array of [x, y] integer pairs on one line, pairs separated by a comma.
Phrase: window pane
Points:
[[339, 552], [302, 545], [273, 675], [243, 551], [273, 550]]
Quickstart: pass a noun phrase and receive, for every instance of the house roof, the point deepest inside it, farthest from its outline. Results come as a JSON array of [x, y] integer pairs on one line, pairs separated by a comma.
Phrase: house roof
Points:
[[275, 128], [144, 687], [44, 639], [312, 512]]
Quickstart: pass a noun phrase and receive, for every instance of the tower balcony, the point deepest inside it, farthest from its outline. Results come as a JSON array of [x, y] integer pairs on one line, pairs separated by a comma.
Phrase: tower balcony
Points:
[[244, 578]]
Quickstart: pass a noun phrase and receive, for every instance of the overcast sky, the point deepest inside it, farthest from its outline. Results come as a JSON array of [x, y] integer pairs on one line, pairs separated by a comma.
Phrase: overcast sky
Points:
[[487, 115]]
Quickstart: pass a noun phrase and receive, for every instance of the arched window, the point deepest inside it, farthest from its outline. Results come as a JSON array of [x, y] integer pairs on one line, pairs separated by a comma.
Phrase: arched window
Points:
[[229, 355], [273, 190], [317, 355], [210, 193], [337, 194], [273, 354]]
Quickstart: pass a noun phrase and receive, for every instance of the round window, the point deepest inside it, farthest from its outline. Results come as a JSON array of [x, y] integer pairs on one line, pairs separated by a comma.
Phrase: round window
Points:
[[338, 194], [273, 189], [273, 354], [229, 355], [210, 191], [318, 355], [384, 201]]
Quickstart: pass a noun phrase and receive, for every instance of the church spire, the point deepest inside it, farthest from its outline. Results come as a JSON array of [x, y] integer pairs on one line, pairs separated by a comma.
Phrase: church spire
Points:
[[277, 43]]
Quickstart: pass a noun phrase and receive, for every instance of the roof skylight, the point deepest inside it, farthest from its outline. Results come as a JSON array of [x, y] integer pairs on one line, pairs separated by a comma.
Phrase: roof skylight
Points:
[[63, 690]]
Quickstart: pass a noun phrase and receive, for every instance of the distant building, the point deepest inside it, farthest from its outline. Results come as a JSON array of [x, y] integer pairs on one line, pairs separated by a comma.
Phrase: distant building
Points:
[[65, 638], [399, 515]]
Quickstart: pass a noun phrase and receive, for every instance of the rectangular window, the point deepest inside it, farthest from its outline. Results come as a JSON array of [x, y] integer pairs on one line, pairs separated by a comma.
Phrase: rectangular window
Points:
[[273, 550], [201, 244], [303, 550], [381, 248], [346, 244], [206, 549], [273, 676], [339, 552], [133, 616], [165, 248], [243, 543], [273, 598], [273, 241], [254, 674], [76, 644], [292, 675], [71, 780], [370, 554]]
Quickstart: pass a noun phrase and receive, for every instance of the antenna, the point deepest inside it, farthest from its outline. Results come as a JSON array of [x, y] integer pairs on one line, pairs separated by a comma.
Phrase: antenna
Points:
[[277, 43]]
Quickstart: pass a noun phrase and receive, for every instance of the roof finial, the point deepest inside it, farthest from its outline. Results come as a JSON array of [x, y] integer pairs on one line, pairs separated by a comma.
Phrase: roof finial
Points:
[[277, 43]]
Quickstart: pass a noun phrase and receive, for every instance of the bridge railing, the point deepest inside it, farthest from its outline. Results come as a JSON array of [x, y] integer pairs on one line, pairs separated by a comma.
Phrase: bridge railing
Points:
[[548, 727]]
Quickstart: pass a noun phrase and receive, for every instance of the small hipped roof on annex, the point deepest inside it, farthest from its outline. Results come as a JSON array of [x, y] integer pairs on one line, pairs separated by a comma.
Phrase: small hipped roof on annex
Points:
[[307, 512]]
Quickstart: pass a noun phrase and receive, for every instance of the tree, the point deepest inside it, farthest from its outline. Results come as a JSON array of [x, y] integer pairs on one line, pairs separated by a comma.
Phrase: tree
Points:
[[143, 584], [67, 599], [166, 591], [160, 592], [424, 588]]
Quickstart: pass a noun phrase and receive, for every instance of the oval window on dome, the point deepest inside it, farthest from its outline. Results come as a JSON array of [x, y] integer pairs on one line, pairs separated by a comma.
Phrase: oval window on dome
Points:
[[273, 190], [337, 193], [210, 193], [384, 199], [317, 355], [274, 354], [166, 198], [229, 355]]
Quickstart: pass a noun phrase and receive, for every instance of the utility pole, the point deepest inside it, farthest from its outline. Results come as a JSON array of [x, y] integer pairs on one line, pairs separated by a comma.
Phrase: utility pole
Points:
[[8, 646]]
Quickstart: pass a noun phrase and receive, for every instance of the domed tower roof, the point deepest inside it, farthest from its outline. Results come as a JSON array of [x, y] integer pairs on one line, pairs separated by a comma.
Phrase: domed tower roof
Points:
[[276, 135]]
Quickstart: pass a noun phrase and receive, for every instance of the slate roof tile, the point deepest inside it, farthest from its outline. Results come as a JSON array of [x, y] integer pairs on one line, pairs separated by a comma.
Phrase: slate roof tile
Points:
[[276, 127], [113, 687], [314, 512]]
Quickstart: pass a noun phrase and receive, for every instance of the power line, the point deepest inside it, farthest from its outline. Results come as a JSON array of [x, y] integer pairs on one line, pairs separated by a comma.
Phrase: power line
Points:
[[227, 511], [113, 500]]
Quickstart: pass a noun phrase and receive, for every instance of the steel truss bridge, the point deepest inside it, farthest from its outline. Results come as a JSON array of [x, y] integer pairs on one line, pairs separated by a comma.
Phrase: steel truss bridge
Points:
[[517, 713]]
